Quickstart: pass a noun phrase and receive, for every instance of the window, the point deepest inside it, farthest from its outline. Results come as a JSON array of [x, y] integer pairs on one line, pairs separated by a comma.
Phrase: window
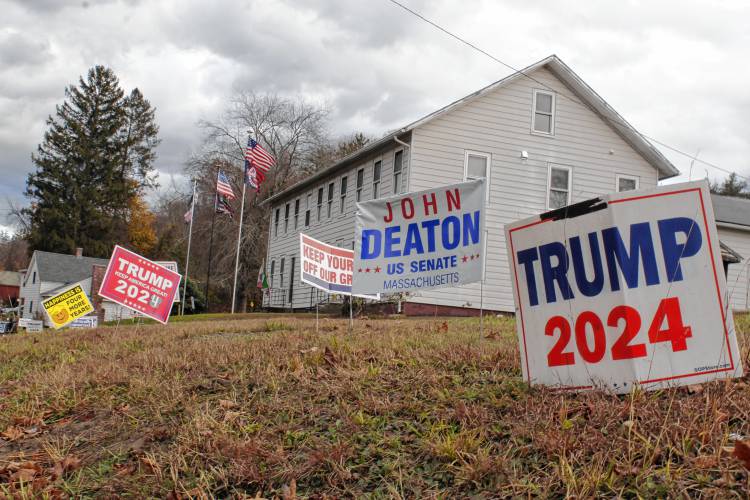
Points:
[[286, 218], [360, 183], [33, 278], [626, 183], [330, 199], [281, 273], [558, 182], [477, 166], [320, 202], [543, 121], [31, 306], [276, 223], [273, 265], [307, 211], [296, 212], [343, 195], [376, 180], [398, 160]]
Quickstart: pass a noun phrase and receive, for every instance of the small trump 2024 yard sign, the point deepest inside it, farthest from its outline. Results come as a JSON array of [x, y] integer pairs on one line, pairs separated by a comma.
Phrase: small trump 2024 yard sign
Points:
[[140, 284], [421, 240], [624, 290]]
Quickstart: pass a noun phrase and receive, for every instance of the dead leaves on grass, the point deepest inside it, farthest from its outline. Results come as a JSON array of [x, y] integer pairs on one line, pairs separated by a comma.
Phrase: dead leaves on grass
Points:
[[23, 427], [35, 478], [742, 452]]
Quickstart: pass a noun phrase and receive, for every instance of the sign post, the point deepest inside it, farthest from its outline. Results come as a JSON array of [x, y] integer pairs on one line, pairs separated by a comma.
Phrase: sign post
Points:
[[624, 290], [421, 241], [140, 284]]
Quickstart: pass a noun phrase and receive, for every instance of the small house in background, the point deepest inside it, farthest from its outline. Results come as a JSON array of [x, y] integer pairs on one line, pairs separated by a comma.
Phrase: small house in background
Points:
[[50, 273], [733, 225], [10, 287]]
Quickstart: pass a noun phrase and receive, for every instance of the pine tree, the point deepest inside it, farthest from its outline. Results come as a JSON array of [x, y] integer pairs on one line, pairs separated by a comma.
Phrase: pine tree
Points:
[[96, 156]]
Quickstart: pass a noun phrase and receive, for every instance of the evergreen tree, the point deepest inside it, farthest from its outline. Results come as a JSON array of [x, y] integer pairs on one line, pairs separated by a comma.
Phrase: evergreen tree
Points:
[[96, 157], [731, 186]]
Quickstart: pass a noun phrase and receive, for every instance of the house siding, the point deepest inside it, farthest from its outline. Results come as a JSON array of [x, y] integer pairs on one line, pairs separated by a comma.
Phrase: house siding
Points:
[[337, 230], [499, 124], [738, 284]]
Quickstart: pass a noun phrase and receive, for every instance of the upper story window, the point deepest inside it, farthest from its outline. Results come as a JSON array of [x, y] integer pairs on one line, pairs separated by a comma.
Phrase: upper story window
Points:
[[543, 120], [286, 218], [276, 223], [330, 198], [477, 166], [559, 184], [376, 180], [398, 161], [626, 183], [320, 202], [296, 212], [343, 194], [360, 183], [33, 278], [307, 210]]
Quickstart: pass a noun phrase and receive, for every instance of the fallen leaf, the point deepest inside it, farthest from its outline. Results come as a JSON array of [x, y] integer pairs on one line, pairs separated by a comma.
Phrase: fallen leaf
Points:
[[226, 404], [742, 452], [150, 464], [289, 492], [695, 389], [124, 469], [24, 475], [12, 433], [706, 462]]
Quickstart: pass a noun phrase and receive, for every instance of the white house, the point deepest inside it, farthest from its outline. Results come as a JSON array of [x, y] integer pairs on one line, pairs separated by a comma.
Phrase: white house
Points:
[[542, 138]]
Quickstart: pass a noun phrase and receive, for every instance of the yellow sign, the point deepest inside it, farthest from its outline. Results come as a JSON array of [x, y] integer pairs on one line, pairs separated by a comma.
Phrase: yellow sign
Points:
[[67, 306]]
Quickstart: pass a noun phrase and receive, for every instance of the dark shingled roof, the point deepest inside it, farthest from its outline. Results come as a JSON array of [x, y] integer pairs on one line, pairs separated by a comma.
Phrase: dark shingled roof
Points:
[[731, 210], [64, 268]]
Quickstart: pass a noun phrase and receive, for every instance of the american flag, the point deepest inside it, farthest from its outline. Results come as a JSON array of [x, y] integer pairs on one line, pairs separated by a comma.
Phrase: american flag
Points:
[[257, 163], [223, 206], [223, 187]]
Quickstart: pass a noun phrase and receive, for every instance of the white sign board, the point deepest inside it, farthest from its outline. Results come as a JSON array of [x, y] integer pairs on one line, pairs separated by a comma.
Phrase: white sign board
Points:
[[631, 293], [34, 325], [22, 322], [85, 322], [327, 267], [420, 241]]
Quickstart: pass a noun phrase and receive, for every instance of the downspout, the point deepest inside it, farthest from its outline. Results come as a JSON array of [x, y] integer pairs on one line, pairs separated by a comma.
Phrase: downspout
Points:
[[408, 172]]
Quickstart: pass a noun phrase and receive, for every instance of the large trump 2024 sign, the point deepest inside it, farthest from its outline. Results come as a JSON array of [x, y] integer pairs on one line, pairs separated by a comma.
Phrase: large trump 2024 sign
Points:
[[140, 284], [421, 240], [625, 290]]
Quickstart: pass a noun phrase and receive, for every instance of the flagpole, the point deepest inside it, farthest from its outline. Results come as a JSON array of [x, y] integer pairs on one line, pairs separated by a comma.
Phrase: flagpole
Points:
[[187, 257], [211, 240], [239, 237]]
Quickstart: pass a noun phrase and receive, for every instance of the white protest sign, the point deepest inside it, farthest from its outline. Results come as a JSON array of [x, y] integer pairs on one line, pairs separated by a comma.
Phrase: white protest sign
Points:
[[34, 325], [85, 322], [631, 292], [327, 267], [420, 241]]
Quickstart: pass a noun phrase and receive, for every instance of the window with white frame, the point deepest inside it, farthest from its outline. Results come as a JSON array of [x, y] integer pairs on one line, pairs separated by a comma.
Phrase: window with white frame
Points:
[[543, 119], [320, 202], [398, 163], [281, 273], [344, 186], [559, 181], [286, 218], [296, 213], [477, 166], [376, 180], [273, 266], [360, 183], [626, 183], [307, 209], [330, 198], [276, 223]]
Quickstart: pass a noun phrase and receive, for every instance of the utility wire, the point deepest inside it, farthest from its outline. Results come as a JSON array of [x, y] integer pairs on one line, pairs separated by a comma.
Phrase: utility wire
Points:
[[571, 99]]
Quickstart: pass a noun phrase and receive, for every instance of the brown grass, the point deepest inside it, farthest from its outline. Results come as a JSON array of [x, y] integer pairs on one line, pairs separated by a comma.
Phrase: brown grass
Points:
[[401, 408]]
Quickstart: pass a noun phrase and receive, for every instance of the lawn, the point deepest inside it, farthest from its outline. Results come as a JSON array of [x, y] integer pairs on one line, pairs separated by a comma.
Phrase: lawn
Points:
[[399, 408]]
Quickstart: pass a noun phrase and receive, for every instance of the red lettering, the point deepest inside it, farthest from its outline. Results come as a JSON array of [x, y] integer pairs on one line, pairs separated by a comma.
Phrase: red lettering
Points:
[[389, 217], [404, 203], [453, 198], [427, 204]]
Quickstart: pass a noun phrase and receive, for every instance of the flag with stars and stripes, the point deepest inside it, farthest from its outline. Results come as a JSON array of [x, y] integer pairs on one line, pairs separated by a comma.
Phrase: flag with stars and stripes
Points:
[[257, 162], [223, 206], [223, 187]]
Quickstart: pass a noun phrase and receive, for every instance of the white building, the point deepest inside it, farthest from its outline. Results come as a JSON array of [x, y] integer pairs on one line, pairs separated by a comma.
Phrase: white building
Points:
[[542, 138]]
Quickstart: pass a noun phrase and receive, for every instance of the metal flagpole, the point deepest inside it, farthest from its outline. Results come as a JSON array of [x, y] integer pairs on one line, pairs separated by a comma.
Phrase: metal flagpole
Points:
[[239, 237], [211, 240], [187, 257]]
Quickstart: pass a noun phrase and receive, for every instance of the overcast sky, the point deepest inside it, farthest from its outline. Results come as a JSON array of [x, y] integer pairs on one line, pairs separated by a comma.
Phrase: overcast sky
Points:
[[677, 70]]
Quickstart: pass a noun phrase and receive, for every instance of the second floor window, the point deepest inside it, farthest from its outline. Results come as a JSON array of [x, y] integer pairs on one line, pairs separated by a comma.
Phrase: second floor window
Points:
[[296, 212], [543, 120], [330, 199], [286, 218], [360, 183], [320, 202], [398, 160], [477, 166], [626, 183], [307, 211], [343, 195], [376, 180], [276, 223], [559, 186]]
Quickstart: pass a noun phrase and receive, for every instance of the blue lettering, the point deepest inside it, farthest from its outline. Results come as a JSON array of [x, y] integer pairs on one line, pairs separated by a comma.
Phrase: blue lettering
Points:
[[557, 273], [451, 228], [526, 258], [390, 240], [593, 287], [413, 240], [673, 251], [471, 229], [370, 236], [641, 247], [430, 225]]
